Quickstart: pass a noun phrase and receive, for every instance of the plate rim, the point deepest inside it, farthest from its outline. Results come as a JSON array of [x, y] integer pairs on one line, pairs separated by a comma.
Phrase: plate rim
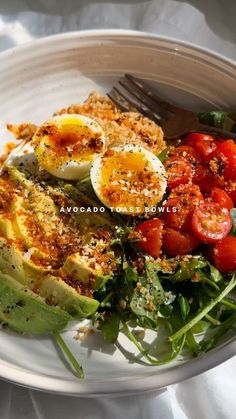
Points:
[[111, 387], [117, 387], [114, 33]]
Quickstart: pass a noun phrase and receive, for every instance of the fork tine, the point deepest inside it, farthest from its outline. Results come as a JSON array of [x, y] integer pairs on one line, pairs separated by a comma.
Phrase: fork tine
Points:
[[128, 99], [118, 100], [144, 99], [133, 105], [153, 96]]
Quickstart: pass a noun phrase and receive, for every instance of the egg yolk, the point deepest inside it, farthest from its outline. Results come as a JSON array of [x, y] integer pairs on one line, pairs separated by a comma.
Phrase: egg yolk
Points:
[[128, 180], [56, 144]]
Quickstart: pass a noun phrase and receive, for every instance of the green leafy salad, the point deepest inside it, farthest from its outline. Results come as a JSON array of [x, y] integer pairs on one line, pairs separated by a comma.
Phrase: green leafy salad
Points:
[[137, 239]]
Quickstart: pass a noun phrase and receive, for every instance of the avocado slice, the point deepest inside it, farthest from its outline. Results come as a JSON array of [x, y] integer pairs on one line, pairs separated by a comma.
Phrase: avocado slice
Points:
[[39, 206], [58, 292], [24, 311], [21, 268], [20, 215], [50, 287], [6, 227], [79, 269], [18, 177], [13, 263]]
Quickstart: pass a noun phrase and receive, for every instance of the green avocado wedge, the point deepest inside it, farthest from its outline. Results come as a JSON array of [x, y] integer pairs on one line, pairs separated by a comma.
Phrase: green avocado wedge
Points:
[[50, 287], [79, 269], [24, 311], [58, 292]]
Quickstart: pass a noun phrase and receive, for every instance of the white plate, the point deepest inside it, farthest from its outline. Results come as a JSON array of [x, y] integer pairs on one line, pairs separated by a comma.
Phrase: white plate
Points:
[[40, 77]]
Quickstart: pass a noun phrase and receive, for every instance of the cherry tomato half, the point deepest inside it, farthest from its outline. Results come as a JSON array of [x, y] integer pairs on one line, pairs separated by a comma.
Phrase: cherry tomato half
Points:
[[203, 144], [178, 171], [219, 196], [151, 236], [210, 222], [225, 254], [176, 243]]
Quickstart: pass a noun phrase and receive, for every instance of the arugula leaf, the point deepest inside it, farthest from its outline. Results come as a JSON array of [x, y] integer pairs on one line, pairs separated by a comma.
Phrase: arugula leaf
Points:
[[110, 328], [219, 119], [215, 275], [106, 302], [200, 327], [176, 348], [85, 186], [185, 269], [129, 280], [165, 310], [164, 154], [131, 275], [191, 343], [184, 306], [208, 344], [229, 303], [233, 216], [202, 313], [147, 298], [213, 118], [78, 370], [216, 119]]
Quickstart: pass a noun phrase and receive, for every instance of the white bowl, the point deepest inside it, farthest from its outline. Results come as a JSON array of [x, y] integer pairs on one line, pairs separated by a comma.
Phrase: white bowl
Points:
[[40, 77]]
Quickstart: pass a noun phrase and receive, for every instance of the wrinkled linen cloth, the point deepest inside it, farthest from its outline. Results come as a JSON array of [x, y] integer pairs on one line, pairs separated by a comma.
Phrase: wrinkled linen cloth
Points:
[[209, 24]]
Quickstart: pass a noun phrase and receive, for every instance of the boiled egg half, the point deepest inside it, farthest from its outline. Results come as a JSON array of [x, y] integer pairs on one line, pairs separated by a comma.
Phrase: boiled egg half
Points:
[[128, 179], [66, 145]]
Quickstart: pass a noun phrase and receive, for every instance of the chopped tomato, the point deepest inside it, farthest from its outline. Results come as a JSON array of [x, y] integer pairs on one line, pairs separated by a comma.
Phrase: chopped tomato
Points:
[[192, 138], [219, 196], [200, 173], [225, 254], [210, 222], [228, 147], [184, 151], [176, 243], [151, 236], [189, 154], [208, 180], [226, 152], [178, 171], [206, 149], [203, 144], [185, 198]]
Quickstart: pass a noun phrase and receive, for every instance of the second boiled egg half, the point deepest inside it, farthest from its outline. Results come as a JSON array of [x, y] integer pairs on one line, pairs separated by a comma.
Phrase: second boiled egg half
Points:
[[66, 145], [128, 179]]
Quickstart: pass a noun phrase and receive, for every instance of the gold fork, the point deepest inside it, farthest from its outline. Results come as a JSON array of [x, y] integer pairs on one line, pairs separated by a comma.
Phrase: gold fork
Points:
[[134, 94]]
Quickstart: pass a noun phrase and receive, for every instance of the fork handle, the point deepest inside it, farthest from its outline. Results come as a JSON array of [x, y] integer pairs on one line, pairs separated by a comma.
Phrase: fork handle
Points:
[[213, 130]]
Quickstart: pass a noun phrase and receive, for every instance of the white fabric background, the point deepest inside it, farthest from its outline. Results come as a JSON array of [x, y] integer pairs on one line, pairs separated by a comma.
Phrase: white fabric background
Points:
[[208, 23]]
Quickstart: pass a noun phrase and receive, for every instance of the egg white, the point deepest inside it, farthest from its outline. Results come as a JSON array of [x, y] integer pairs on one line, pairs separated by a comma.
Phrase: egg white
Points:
[[71, 169], [23, 155]]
